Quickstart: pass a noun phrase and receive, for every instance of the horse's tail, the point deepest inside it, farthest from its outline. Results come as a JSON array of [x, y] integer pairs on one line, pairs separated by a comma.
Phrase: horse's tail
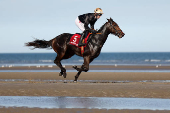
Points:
[[40, 44]]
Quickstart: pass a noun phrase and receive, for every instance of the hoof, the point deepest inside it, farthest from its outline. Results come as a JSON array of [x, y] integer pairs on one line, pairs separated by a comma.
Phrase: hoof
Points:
[[74, 81], [64, 75], [60, 74]]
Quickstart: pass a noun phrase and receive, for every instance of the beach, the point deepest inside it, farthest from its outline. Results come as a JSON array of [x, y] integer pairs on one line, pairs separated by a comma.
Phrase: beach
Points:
[[90, 84]]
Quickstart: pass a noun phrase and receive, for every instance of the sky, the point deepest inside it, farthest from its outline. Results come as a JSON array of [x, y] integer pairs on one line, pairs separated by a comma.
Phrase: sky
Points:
[[146, 23]]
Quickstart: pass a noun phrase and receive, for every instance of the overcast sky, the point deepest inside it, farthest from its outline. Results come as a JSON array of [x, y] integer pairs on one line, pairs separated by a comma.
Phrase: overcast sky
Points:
[[146, 23]]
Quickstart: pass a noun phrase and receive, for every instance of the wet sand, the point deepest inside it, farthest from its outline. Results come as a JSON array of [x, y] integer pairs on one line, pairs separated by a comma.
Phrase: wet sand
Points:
[[86, 89], [137, 87]]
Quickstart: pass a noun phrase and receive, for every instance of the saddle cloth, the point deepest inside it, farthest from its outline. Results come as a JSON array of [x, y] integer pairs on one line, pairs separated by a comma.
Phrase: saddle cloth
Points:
[[74, 40]]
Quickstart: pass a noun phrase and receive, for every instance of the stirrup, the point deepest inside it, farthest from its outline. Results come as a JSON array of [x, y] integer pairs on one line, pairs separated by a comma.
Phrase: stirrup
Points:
[[80, 41], [81, 44]]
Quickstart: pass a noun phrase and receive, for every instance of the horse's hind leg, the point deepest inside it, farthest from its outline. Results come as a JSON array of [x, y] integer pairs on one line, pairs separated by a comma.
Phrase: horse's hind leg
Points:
[[58, 63]]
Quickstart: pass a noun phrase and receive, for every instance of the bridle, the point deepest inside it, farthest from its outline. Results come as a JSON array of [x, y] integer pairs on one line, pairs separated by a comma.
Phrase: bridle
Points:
[[117, 31]]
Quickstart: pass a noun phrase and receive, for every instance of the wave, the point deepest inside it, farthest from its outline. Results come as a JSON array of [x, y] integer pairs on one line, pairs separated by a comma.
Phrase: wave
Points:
[[152, 60], [155, 60], [46, 61], [167, 60], [147, 60]]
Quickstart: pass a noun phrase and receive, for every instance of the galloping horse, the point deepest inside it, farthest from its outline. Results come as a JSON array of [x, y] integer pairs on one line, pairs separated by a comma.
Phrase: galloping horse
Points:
[[65, 50]]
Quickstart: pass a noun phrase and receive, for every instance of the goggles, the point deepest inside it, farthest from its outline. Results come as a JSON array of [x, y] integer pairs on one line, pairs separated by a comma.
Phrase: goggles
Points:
[[99, 14]]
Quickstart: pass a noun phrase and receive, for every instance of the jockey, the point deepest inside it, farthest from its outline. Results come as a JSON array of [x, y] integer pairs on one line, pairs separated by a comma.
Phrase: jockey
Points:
[[82, 21]]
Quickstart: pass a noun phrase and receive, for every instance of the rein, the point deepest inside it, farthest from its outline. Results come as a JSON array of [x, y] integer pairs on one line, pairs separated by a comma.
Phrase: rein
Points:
[[95, 33]]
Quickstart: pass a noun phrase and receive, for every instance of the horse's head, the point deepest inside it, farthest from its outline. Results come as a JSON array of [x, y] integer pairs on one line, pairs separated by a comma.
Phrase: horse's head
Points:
[[114, 28]]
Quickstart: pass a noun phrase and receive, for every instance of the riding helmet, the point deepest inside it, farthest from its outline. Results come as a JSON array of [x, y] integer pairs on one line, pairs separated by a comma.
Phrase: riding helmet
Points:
[[98, 10]]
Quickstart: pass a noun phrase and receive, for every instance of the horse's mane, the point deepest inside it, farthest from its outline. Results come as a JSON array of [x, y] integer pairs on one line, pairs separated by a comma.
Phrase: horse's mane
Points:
[[109, 20]]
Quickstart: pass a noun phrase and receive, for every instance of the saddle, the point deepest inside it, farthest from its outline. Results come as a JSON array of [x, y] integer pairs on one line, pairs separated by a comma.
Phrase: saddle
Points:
[[74, 40]]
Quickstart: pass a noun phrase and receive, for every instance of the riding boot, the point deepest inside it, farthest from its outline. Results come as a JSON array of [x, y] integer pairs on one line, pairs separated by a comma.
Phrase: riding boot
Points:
[[81, 39]]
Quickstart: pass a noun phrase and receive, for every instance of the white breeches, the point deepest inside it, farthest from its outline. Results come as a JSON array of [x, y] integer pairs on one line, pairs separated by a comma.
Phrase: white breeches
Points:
[[79, 24]]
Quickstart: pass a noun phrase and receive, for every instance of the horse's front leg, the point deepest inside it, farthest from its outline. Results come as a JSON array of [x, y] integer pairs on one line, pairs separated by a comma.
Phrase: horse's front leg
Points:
[[78, 69], [77, 75], [84, 67]]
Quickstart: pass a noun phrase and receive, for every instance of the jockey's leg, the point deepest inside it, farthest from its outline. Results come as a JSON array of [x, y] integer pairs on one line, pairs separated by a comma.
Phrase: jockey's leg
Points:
[[84, 35], [81, 39]]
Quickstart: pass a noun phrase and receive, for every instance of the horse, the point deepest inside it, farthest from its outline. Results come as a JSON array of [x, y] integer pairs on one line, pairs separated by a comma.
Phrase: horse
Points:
[[60, 44]]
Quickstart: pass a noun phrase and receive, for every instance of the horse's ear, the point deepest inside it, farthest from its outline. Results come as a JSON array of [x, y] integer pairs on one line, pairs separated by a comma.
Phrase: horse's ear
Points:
[[111, 19], [108, 20]]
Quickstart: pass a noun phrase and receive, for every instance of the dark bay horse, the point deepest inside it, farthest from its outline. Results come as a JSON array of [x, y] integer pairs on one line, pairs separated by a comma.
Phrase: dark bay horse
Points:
[[64, 50]]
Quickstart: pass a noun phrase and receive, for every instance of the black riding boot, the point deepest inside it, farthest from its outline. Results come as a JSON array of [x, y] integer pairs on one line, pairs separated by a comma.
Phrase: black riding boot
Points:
[[81, 39]]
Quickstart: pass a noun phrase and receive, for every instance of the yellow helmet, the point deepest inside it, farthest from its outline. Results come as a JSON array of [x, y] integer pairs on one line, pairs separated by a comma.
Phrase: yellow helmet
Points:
[[98, 10]]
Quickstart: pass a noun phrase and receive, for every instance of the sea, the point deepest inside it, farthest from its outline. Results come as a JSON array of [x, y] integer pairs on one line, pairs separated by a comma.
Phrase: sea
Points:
[[116, 58]]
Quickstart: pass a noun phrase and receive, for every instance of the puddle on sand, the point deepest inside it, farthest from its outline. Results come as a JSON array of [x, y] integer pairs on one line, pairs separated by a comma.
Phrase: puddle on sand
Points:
[[85, 102]]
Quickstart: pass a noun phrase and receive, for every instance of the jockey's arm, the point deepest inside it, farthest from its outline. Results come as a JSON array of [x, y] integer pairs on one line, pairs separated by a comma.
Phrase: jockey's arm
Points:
[[87, 27], [92, 25]]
